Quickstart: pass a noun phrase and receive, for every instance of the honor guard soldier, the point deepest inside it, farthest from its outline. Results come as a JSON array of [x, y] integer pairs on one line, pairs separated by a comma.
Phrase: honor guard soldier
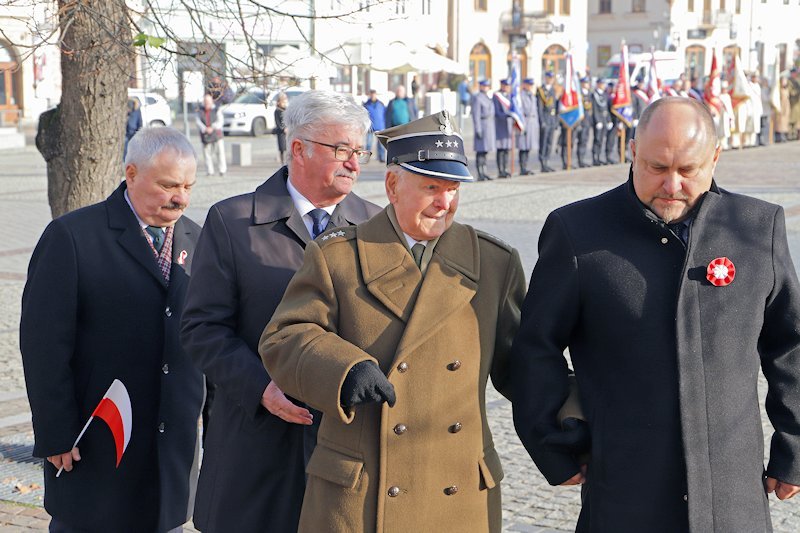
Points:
[[584, 128], [503, 127], [529, 139], [483, 125], [546, 107], [601, 120]]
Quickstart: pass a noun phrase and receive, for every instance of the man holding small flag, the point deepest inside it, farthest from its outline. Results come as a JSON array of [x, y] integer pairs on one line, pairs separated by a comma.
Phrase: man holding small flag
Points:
[[570, 112], [101, 313]]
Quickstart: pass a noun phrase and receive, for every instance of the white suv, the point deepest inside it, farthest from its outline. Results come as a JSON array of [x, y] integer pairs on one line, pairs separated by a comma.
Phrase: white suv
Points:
[[155, 109], [253, 111]]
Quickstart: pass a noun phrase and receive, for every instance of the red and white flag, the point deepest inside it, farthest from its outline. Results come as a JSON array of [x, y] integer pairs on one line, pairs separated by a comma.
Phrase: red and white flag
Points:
[[653, 88], [713, 88], [115, 410]]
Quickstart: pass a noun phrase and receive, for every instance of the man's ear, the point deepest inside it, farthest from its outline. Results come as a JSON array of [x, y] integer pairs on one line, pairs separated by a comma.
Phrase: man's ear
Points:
[[392, 179], [130, 172]]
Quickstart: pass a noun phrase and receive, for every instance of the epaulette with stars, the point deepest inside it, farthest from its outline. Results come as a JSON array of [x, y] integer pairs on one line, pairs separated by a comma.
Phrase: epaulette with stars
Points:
[[337, 234]]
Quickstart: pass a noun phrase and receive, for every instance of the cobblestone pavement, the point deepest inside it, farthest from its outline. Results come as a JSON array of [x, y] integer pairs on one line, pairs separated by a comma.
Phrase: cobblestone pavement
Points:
[[514, 210]]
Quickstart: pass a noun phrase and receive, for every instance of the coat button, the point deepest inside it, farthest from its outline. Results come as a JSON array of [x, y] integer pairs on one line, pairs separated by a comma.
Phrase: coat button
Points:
[[455, 428], [664, 240], [394, 491], [165, 368], [686, 497], [161, 427], [402, 367], [168, 311], [399, 429], [451, 490], [455, 365]]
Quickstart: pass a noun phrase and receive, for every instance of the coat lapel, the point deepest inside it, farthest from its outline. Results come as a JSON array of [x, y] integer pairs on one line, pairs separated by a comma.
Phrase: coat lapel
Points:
[[450, 283], [387, 267], [131, 238], [182, 248], [272, 202]]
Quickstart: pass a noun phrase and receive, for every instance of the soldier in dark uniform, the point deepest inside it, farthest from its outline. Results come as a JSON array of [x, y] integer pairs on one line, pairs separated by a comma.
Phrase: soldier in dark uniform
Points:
[[529, 139], [601, 120], [546, 107], [612, 137], [483, 126], [503, 128], [562, 137], [584, 127]]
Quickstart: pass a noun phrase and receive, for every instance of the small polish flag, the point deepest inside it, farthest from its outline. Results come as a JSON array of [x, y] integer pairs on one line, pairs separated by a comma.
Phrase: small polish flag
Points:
[[115, 410]]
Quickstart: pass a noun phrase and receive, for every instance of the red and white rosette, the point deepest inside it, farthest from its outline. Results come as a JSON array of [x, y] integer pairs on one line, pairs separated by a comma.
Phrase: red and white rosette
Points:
[[720, 272]]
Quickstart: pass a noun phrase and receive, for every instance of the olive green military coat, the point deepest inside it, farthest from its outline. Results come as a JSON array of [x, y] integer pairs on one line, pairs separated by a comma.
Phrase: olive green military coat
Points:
[[428, 463]]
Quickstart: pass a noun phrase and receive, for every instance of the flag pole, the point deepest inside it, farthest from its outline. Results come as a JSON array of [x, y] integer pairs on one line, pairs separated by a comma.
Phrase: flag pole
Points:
[[76, 441], [569, 148], [621, 133]]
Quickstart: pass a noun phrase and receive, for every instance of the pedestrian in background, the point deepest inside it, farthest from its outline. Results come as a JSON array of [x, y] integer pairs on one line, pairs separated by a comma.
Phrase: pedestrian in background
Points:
[[103, 302], [133, 123], [546, 108], [601, 121], [483, 127], [209, 123], [401, 109], [503, 127], [377, 117], [258, 441], [528, 139], [280, 125]]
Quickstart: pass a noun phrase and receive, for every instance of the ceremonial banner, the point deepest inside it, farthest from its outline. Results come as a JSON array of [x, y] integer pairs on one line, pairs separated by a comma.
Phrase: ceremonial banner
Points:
[[516, 102], [653, 90], [622, 105], [738, 86], [570, 111], [713, 90]]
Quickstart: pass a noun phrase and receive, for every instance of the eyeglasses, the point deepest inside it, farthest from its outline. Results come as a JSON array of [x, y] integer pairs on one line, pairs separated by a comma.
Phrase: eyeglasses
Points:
[[342, 152]]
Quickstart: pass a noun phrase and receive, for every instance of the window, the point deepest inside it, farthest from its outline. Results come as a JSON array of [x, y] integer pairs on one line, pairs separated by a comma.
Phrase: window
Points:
[[400, 7], [722, 5], [564, 7], [480, 64], [364, 5], [738, 7], [603, 55], [426, 7], [481, 5], [690, 6], [605, 7], [638, 6], [550, 6], [553, 60], [695, 62]]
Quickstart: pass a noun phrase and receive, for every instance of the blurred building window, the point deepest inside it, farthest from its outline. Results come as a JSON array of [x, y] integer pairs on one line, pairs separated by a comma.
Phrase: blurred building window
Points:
[[480, 64], [605, 7]]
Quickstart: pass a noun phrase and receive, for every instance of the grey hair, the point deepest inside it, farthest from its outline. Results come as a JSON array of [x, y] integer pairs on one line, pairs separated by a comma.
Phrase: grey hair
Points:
[[149, 142], [314, 109]]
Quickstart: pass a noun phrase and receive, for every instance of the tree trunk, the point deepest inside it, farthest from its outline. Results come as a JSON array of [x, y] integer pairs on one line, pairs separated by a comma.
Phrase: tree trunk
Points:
[[82, 139]]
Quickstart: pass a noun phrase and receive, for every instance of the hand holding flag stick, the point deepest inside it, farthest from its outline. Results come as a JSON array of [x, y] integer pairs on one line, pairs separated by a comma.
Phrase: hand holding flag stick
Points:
[[115, 410]]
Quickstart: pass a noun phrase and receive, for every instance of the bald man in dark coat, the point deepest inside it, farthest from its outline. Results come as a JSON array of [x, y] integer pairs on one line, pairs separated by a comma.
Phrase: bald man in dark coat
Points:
[[670, 294]]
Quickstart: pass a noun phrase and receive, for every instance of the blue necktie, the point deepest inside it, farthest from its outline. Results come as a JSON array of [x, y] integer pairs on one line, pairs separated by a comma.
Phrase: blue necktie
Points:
[[158, 236], [318, 216]]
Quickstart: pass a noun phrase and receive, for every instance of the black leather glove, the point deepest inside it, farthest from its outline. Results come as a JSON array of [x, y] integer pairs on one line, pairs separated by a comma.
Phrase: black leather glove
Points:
[[366, 383], [574, 437]]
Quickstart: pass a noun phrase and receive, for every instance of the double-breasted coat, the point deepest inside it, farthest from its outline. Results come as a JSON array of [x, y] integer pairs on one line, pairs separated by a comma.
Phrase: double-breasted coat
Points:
[[428, 463], [483, 122], [503, 124], [96, 308], [529, 139], [252, 475], [666, 362]]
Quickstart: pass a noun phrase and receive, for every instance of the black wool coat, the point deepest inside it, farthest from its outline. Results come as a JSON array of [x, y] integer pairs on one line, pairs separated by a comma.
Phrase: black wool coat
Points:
[[666, 363], [96, 308], [252, 477]]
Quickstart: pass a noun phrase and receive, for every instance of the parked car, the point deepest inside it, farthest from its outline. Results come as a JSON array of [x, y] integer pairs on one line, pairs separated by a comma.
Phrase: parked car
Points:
[[155, 109], [669, 66], [253, 111]]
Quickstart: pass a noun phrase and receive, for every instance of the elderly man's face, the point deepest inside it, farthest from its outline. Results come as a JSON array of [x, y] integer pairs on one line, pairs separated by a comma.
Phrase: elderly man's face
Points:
[[424, 206], [322, 178], [160, 190], [400, 92], [673, 161]]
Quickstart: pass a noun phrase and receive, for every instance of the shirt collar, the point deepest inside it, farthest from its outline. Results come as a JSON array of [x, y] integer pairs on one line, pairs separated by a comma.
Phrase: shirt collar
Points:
[[142, 224], [301, 203]]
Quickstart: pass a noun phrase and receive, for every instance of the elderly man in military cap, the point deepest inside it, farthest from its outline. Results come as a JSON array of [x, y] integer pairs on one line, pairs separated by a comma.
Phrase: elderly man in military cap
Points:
[[391, 328]]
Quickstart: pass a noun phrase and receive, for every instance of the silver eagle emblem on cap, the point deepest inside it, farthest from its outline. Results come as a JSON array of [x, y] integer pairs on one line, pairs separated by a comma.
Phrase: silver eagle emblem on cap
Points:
[[444, 120]]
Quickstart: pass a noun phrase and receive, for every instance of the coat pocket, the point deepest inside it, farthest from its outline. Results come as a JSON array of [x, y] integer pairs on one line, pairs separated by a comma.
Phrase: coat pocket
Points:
[[335, 467], [491, 469]]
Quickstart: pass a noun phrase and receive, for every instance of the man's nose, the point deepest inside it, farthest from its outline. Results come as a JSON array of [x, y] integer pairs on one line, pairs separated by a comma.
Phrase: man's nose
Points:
[[672, 183]]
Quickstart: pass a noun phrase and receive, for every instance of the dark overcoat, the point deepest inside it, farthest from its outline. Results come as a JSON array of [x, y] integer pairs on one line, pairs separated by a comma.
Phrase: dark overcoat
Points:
[[252, 477], [360, 297], [96, 308], [503, 124], [529, 139], [666, 363], [483, 122]]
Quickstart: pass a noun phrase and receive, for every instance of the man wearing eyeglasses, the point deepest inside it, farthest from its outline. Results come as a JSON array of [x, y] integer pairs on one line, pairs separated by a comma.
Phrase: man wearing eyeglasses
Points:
[[392, 328], [252, 477]]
